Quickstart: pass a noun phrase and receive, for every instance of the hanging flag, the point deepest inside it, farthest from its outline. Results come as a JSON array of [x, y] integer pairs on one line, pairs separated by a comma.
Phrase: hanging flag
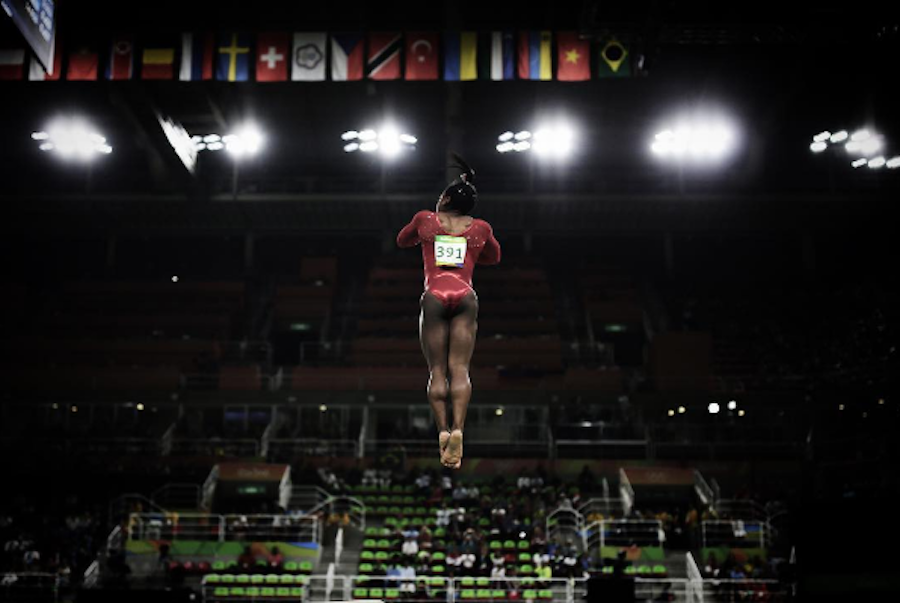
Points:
[[82, 65], [309, 57], [197, 52], [346, 57], [502, 56], [460, 56], [233, 60], [12, 64], [573, 62], [36, 71], [121, 58], [272, 55], [158, 60], [384, 56], [535, 56], [421, 56], [614, 59]]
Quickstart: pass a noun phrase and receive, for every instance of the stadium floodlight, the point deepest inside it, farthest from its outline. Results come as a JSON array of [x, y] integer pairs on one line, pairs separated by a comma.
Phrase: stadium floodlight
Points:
[[209, 138], [877, 162], [246, 140], [858, 163], [698, 139], [174, 279], [732, 405], [841, 407], [72, 139], [505, 147], [860, 135], [818, 146], [322, 408], [140, 406], [671, 413], [388, 140], [499, 411], [506, 136], [839, 137], [523, 135], [522, 146], [893, 163], [822, 136], [681, 410], [549, 141], [713, 408], [741, 412]]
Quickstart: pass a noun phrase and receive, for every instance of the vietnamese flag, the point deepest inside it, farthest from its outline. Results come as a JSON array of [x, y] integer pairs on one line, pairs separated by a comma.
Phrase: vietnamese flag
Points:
[[421, 56], [573, 57], [82, 65]]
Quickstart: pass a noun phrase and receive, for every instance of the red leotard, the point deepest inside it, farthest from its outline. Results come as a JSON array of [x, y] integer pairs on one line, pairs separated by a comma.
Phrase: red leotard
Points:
[[450, 284]]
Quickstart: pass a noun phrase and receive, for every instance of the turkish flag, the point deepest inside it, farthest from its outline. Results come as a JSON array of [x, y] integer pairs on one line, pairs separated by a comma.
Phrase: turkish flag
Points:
[[273, 50], [421, 56]]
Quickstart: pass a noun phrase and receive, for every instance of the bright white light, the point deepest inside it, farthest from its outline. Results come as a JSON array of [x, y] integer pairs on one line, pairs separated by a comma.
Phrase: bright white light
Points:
[[671, 413], [72, 138], [505, 147], [556, 141], [215, 146], [499, 412], [870, 146], [408, 139], [367, 135], [858, 163], [681, 410], [350, 135], [732, 405], [521, 147], [200, 146], [352, 147], [369, 146], [698, 140], [506, 136], [196, 139], [860, 135], [741, 412], [140, 406], [523, 135], [818, 147], [839, 136], [389, 141], [822, 136], [893, 163], [211, 138], [877, 162], [841, 407], [713, 408], [174, 279], [322, 408]]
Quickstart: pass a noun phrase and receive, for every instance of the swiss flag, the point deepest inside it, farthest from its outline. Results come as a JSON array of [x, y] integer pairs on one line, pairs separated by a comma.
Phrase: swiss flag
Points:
[[384, 56], [421, 56], [12, 64], [573, 57], [82, 65], [273, 50]]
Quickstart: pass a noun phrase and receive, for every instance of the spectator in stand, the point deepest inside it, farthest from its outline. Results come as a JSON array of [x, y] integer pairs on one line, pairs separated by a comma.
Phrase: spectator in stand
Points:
[[276, 559], [543, 572], [247, 560], [410, 546]]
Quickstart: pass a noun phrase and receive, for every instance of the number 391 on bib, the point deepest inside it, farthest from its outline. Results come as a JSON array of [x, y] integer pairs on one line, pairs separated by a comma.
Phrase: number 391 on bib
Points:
[[449, 251]]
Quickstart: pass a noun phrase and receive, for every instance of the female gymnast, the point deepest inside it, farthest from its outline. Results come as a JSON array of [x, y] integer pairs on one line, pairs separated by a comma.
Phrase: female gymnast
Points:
[[452, 243]]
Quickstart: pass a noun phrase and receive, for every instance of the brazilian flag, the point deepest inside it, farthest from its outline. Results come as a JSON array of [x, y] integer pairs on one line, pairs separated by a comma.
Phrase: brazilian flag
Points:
[[614, 58]]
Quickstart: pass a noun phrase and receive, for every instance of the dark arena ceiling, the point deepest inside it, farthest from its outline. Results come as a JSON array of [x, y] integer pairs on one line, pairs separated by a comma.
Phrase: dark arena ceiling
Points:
[[782, 74]]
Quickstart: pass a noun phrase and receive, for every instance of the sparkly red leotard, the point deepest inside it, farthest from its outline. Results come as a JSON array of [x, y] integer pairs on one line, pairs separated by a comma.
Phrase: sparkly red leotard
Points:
[[450, 284]]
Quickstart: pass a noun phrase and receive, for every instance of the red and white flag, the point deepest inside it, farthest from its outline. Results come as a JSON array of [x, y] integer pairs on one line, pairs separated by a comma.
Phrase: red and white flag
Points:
[[121, 58], [421, 56], [272, 56], [347, 57], [12, 64], [383, 60]]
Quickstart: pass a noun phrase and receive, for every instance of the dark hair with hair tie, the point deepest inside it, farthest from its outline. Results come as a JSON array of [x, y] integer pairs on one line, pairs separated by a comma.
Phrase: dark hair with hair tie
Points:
[[461, 192]]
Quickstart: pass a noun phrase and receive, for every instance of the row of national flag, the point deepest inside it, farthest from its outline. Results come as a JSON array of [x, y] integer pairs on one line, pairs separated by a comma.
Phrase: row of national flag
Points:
[[319, 56]]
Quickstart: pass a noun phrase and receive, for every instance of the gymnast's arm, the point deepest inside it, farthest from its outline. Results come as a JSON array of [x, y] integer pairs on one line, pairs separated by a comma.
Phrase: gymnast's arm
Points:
[[409, 236], [491, 252]]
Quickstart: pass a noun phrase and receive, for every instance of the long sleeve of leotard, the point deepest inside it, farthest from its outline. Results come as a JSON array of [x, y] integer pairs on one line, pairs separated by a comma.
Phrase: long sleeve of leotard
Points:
[[409, 236], [491, 252]]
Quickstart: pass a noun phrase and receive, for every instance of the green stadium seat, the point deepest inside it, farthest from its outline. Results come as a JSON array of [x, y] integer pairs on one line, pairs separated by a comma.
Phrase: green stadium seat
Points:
[[267, 591], [483, 593], [243, 579], [392, 593], [468, 593], [496, 545], [421, 511], [607, 569], [524, 545], [291, 566], [384, 543], [360, 593], [213, 579], [370, 531], [524, 558], [660, 570], [367, 555], [529, 594], [219, 566], [376, 593], [630, 570], [468, 581], [644, 570], [498, 594], [272, 579], [282, 592], [528, 583], [286, 579], [257, 579], [438, 556], [220, 592], [253, 591], [484, 522], [545, 593], [229, 579], [366, 568], [483, 582], [526, 570], [381, 556], [297, 592], [370, 543], [440, 533], [509, 544], [306, 567], [237, 591]]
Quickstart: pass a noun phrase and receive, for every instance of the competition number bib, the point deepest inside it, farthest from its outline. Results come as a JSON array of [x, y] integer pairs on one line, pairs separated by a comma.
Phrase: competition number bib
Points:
[[449, 251]]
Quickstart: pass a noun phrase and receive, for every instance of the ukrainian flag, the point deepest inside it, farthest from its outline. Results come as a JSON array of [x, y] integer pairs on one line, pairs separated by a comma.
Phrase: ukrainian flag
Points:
[[461, 56], [535, 55]]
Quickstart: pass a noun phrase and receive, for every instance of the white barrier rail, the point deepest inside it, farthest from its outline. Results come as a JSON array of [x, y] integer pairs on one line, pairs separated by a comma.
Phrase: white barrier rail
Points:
[[222, 528]]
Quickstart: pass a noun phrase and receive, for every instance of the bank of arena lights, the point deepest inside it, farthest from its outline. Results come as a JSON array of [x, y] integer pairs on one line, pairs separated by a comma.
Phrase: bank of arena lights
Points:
[[387, 141], [864, 146], [247, 140], [72, 139], [698, 140], [552, 140]]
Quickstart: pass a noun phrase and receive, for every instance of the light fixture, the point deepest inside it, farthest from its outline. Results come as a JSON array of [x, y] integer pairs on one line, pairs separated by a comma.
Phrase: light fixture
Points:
[[681, 410], [670, 412], [818, 147], [72, 139], [732, 405], [174, 279], [322, 408], [698, 139], [388, 140], [741, 412], [840, 407], [140, 406], [877, 162], [713, 408], [499, 411], [893, 163]]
